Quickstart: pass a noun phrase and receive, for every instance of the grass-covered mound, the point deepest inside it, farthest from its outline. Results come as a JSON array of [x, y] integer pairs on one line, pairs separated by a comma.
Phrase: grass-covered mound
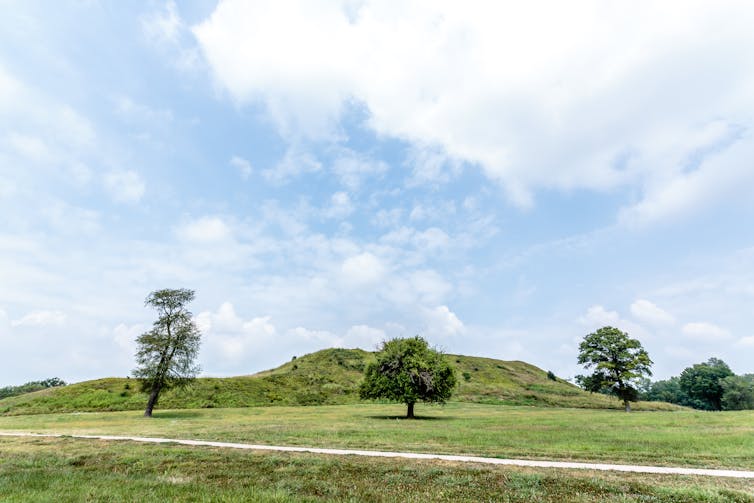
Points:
[[327, 377]]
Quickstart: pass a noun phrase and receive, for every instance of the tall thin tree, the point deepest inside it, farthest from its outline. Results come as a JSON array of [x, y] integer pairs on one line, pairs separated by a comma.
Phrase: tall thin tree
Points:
[[166, 355]]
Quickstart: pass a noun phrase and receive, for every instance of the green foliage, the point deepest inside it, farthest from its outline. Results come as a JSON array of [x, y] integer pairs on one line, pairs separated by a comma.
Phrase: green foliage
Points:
[[667, 391], [619, 363], [408, 371], [706, 386], [738, 392], [166, 354], [551, 375], [30, 386], [702, 385]]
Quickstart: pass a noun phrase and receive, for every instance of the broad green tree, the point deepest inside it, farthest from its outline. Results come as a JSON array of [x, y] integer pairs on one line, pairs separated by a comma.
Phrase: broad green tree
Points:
[[408, 370], [738, 392], [667, 391], [166, 355], [619, 364], [702, 384]]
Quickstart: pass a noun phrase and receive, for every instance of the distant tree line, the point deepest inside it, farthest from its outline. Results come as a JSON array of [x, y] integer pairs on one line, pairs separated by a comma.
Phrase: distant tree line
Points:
[[30, 386], [711, 385]]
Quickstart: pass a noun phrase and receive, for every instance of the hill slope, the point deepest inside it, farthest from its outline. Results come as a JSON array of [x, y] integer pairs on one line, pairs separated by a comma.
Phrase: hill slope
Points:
[[327, 377]]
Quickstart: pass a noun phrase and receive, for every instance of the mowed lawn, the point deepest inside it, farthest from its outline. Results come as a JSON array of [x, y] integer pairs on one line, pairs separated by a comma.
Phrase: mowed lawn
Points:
[[72, 470], [683, 438]]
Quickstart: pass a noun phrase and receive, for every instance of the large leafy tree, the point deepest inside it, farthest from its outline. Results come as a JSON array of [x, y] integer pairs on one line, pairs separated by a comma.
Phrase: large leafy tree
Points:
[[702, 384], [619, 364], [408, 370], [166, 354], [738, 392]]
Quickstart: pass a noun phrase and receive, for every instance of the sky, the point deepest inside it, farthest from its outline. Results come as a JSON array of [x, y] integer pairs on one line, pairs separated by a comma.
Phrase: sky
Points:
[[499, 178]]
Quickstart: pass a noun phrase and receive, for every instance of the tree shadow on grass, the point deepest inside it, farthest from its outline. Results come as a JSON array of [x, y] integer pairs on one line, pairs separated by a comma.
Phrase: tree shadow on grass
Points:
[[415, 418], [175, 414]]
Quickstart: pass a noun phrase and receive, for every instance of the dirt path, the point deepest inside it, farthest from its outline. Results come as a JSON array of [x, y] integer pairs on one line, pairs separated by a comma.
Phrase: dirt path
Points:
[[412, 455]]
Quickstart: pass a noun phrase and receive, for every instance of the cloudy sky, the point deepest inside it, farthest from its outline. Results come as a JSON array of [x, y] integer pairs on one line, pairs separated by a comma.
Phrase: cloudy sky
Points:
[[501, 179]]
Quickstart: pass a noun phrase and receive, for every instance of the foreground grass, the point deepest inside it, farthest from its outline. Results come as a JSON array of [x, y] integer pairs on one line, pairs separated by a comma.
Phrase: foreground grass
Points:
[[64, 470], [684, 438]]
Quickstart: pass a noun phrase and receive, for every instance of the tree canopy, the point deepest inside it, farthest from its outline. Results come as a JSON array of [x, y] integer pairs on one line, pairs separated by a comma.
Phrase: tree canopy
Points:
[[166, 354], [407, 370], [619, 364], [702, 384]]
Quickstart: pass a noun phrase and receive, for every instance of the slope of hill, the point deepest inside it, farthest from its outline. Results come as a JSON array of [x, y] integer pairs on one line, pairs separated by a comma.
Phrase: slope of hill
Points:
[[327, 377]]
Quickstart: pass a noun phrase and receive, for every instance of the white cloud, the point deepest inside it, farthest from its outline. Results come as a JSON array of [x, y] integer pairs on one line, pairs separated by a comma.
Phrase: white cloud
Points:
[[364, 336], [205, 230], [352, 167], [317, 336], [125, 337], [41, 319], [242, 165], [363, 269], [747, 341], [648, 312], [340, 206], [124, 186], [597, 316], [585, 97], [164, 28], [294, 163], [707, 332], [229, 336], [442, 322]]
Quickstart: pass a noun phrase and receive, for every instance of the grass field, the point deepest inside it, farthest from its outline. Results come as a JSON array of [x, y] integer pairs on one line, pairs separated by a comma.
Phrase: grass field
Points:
[[684, 438], [63, 470]]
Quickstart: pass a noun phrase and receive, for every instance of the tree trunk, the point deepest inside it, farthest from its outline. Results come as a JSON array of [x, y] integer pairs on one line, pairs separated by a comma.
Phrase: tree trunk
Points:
[[410, 411], [628, 405], [152, 401]]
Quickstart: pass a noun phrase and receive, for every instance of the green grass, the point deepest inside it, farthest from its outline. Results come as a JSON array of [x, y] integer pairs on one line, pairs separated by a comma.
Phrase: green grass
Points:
[[683, 438], [68, 470], [327, 377]]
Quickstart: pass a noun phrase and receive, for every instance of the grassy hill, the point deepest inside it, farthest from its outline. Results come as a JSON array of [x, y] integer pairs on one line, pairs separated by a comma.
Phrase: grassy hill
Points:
[[327, 377]]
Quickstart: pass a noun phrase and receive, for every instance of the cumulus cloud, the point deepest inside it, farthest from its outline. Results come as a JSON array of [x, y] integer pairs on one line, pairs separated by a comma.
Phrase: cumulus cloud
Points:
[[229, 336], [747, 341], [707, 332], [352, 168], [364, 336], [40, 319], [295, 162], [597, 316], [165, 29], [363, 269], [442, 322], [340, 206], [602, 94], [125, 336], [124, 186], [650, 313], [205, 230], [242, 165]]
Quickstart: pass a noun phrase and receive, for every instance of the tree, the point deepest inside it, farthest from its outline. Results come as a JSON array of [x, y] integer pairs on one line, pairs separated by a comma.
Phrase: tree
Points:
[[166, 354], [619, 363], [702, 384], [667, 391], [738, 392], [408, 370]]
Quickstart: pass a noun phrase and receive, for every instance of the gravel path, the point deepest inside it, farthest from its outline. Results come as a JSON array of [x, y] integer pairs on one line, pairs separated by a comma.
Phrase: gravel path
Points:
[[412, 455]]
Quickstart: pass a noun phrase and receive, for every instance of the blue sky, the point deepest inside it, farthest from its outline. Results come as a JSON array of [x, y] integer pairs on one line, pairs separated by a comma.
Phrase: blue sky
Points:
[[499, 179]]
